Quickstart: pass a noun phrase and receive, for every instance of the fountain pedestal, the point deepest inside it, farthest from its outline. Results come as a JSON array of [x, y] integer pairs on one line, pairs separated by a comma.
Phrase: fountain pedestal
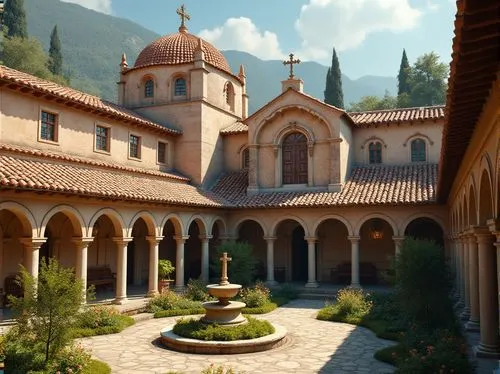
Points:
[[225, 315]]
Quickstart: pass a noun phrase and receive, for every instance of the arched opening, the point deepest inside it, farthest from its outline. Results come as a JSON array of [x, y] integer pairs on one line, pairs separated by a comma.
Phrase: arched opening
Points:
[[149, 88], [229, 95], [427, 229], [251, 232], [485, 200], [376, 248], [375, 153], [138, 257], [291, 252], [168, 245], [334, 252], [245, 158], [294, 159], [192, 254], [180, 88], [472, 207], [418, 151]]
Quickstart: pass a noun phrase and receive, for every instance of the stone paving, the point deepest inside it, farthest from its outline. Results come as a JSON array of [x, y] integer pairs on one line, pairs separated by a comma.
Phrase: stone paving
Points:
[[313, 347]]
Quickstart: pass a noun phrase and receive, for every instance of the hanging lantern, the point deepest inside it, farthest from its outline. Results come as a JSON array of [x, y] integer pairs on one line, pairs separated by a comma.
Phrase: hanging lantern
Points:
[[376, 231]]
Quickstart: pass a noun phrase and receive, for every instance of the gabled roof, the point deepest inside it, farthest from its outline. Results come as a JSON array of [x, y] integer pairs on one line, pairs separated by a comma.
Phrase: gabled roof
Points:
[[27, 83], [236, 128], [474, 67], [410, 184], [391, 116]]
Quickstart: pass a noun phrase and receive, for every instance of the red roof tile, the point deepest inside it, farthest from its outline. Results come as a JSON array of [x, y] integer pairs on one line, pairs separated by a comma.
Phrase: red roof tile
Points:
[[15, 79], [42, 174], [369, 185], [236, 128], [390, 116]]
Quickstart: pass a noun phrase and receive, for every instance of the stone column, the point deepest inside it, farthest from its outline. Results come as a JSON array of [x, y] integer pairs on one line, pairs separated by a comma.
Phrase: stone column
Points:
[[82, 245], [466, 281], [32, 254], [205, 240], [398, 240], [270, 260], [121, 269], [154, 243], [460, 287], [354, 261], [179, 261], [497, 245], [488, 298], [456, 249], [311, 261], [473, 323]]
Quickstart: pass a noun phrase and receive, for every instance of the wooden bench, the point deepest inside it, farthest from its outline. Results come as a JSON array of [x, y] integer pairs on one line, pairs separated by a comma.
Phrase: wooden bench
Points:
[[100, 276], [367, 273], [12, 287]]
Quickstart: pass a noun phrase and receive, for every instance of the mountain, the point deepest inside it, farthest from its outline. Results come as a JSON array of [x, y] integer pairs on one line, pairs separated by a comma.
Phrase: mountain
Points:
[[93, 43]]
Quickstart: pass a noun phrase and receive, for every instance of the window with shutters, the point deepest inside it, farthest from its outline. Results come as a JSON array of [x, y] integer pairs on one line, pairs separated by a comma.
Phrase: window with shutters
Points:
[[418, 151], [294, 159], [375, 153]]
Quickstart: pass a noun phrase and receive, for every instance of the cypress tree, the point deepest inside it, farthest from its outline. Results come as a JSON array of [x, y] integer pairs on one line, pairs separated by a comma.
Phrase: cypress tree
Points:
[[14, 18], [55, 55], [333, 88], [404, 75]]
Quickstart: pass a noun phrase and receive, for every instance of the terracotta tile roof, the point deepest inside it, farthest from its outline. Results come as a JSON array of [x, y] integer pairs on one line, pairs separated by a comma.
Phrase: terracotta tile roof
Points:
[[473, 69], [179, 48], [390, 116], [368, 185], [26, 83], [41, 174], [85, 161], [236, 128]]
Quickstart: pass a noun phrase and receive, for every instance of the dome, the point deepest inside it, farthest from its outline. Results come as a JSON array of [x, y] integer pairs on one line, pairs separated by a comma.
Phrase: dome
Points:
[[179, 48]]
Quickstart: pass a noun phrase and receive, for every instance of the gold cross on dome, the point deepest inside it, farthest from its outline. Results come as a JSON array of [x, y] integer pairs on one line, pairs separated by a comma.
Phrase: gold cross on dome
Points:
[[224, 259], [291, 62], [184, 16]]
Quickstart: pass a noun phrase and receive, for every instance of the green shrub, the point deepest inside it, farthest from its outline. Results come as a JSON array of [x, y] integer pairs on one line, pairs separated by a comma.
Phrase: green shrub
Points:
[[351, 306], [255, 296], [243, 267], [72, 359], [22, 352], [122, 323], [194, 329], [165, 269], [171, 300], [2, 349], [178, 312], [97, 367], [98, 316], [422, 283], [197, 290], [266, 308]]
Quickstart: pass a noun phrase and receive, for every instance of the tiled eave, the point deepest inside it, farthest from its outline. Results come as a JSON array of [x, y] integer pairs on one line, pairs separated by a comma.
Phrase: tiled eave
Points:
[[398, 116], [474, 67], [53, 92]]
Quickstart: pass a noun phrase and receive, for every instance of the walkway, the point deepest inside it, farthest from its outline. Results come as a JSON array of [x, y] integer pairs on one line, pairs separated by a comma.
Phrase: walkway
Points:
[[314, 347]]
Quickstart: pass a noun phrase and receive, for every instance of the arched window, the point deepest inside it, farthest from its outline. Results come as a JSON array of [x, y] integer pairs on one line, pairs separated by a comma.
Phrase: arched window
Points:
[[245, 158], [149, 88], [294, 159], [229, 90], [180, 87], [418, 153], [375, 153]]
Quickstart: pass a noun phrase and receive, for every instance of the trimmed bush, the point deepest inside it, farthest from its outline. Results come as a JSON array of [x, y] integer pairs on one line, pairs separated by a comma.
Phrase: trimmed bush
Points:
[[266, 308], [169, 301], [194, 329], [97, 367], [243, 266], [256, 296], [351, 306], [178, 312], [100, 320]]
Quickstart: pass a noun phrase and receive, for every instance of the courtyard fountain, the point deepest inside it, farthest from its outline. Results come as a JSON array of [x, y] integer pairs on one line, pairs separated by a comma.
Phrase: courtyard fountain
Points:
[[226, 313]]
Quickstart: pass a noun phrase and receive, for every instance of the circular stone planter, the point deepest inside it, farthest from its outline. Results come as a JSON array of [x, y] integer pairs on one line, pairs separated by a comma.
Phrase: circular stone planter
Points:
[[187, 345]]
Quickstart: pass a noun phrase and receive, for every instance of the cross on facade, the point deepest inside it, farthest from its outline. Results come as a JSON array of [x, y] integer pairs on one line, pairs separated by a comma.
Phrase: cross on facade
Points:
[[184, 16], [291, 62], [224, 259]]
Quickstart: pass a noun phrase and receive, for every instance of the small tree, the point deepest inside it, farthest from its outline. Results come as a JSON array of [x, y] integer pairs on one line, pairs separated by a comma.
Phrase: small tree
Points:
[[404, 75], [243, 267], [48, 310], [55, 62], [165, 269], [14, 18], [333, 88]]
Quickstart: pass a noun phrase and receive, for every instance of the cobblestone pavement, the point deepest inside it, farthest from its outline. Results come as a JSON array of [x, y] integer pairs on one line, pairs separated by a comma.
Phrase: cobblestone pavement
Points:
[[313, 347]]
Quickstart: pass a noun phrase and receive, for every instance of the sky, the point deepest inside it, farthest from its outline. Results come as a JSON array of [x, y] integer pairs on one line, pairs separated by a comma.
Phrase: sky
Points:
[[368, 35]]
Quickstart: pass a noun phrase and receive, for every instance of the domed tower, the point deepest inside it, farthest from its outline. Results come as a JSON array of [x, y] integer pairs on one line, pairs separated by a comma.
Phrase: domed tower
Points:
[[185, 82]]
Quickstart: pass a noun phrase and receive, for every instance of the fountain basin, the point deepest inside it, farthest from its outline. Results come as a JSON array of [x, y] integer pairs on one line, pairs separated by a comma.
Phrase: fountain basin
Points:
[[225, 315], [226, 291], [186, 345]]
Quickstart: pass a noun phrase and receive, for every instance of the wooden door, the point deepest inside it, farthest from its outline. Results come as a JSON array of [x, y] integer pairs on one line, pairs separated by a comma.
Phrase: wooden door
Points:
[[294, 162]]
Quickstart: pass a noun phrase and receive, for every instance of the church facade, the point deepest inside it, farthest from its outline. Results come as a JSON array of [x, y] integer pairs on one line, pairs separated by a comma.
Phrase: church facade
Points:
[[178, 166]]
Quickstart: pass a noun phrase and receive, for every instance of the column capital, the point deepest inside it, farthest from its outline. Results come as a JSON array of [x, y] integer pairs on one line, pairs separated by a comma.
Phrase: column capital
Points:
[[121, 241], [33, 243], [494, 226], [354, 238], [205, 237], [311, 239], [81, 243], [154, 239], [181, 238], [399, 238], [483, 234], [270, 238]]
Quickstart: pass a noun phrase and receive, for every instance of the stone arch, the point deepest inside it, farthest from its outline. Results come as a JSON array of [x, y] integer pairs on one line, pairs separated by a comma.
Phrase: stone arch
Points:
[[200, 221], [346, 223], [236, 227], [299, 220], [485, 202], [427, 227], [149, 220], [414, 216], [384, 217], [291, 128], [116, 219], [174, 82], [465, 223], [27, 219], [219, 221], [472, 207], [71, 213], [176, 222]]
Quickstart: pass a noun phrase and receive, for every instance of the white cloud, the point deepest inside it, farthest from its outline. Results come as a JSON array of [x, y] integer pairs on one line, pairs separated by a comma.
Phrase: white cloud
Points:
[[243, 35], [345, 24], [103, 6]]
